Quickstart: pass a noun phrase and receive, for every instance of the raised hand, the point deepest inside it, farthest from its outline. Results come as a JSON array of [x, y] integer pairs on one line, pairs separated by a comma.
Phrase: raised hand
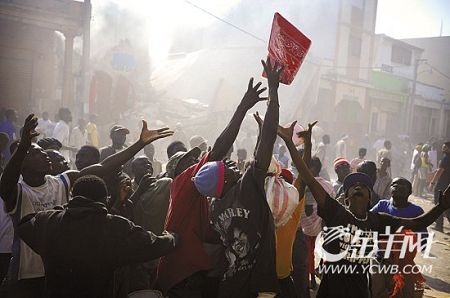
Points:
[[286, 133], [273, 73], [29, 132], [150, 135], [306, 134], [125, 190], [444, 198], [252, 96], [258, 119]]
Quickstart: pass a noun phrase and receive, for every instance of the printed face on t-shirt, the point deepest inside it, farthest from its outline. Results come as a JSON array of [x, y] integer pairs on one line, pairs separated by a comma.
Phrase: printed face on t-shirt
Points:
[[240, 243]]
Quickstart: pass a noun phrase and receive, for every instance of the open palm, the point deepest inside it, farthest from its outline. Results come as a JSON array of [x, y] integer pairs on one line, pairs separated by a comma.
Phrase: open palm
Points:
[[150, 135], [286, 133]]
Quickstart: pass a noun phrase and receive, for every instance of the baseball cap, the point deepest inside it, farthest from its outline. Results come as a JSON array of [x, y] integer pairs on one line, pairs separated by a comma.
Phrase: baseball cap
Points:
[[340, 161], [209, 180], [177, 157], [196, 141], [355, 178], [117, 128]]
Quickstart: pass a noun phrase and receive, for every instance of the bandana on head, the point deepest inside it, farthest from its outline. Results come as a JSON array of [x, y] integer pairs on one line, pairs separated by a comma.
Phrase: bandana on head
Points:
[[210, 179]]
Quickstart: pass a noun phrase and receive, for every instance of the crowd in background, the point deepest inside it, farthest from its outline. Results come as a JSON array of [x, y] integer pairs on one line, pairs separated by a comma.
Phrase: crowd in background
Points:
[[82, 217]]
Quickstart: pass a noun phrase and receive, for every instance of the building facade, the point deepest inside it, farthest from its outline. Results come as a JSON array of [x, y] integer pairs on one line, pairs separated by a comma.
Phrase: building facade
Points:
[[36, 53]]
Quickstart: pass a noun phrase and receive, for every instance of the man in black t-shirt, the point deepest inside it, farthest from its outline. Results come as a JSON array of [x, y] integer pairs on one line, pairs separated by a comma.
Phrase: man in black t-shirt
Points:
[[240, 212], [350, 231], [441, 179]]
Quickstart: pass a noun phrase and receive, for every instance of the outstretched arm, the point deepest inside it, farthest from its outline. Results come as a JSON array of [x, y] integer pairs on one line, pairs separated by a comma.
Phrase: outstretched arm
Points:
[[116, 160], [229, 134], [264, 150], [260, 124], [306, 135], [423, 221], [304, 173], [11, 174]]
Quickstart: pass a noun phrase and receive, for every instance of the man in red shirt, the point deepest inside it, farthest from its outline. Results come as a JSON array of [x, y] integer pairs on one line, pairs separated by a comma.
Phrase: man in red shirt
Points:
[[182, 273]]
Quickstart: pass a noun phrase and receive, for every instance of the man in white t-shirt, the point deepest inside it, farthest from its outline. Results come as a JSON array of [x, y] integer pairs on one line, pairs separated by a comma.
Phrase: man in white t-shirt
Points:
[[79, 136], [38, 191], [45, 126], [62, 130]]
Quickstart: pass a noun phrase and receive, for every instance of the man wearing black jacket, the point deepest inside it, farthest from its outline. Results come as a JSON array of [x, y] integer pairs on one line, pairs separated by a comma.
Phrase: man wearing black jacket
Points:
[[81, 244]]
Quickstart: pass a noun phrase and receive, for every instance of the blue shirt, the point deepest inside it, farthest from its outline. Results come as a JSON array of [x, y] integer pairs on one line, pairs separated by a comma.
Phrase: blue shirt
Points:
[[387, 206], [410, 211]]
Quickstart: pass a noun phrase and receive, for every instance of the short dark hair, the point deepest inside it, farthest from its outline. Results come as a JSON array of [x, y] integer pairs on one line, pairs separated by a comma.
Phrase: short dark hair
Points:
[[92, 150], [91, 187], [362, 151], [407, 183], [447, 144], [367, 167], [173, 148]]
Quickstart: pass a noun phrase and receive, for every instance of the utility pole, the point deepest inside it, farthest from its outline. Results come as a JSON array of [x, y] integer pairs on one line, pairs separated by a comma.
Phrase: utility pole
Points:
[[410, 109]]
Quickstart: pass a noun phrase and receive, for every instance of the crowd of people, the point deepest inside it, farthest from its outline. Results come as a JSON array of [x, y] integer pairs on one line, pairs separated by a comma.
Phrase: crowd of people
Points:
[[77, 220]]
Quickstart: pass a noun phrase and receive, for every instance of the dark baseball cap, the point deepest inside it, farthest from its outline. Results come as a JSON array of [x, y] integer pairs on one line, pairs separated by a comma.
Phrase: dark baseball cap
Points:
[[177, 157], [355, 178], [117, 128]]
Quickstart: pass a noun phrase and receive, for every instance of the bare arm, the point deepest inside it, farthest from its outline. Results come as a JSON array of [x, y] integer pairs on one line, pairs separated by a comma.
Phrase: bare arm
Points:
[[12, 171], [260, 124], [116, 160], [229, 134], [306, 135], [424, 220], [264, 150], [435, 178], [304, 173]]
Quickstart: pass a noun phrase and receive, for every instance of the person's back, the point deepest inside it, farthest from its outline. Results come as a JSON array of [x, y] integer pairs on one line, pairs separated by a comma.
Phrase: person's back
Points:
[[81, 245]]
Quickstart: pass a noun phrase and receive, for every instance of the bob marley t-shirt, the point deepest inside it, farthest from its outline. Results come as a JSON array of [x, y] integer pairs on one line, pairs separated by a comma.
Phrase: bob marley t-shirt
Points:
[[245, 224], [348, 246]]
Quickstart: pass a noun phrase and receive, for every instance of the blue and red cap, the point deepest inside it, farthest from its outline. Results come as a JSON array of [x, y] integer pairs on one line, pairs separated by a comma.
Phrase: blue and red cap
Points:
[[210, 179]]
